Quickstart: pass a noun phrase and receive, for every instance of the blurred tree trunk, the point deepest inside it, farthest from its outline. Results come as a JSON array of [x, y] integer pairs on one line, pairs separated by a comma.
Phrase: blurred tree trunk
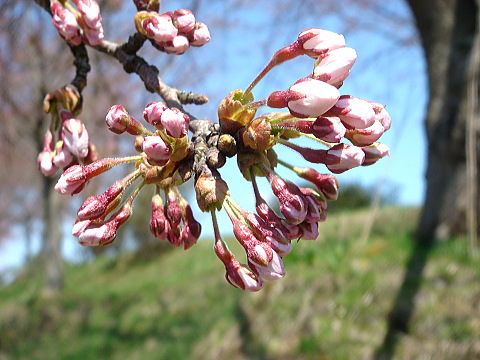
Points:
[[449, 30]]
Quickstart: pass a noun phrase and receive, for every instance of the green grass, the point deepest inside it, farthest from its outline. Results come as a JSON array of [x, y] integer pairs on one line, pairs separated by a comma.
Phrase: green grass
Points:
[[332, 304]]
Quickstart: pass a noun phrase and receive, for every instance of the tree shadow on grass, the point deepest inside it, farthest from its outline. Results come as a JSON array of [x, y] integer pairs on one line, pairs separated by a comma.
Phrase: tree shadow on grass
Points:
[[403, 307]]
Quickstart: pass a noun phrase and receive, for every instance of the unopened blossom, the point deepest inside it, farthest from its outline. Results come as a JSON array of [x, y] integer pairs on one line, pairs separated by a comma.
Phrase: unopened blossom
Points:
[[63, 156], [327, 184], [292, 202], [329, 129], [261, 257], [317, 42], [153, 113], [200, 35], [159, 28], [156, 149], [381, 115], [375, 152], [316, 207], [306, 98], [72, 181], [183, 20], [76, 137], [90, 12], [191, 229], [367, 136], [175, 122], [237, 274], [118, 121], [309, 231], [334, 66], [45, 157], [96, 206], [178, 45], [354, 112], [344, 157], [159, 225], [66, 24]]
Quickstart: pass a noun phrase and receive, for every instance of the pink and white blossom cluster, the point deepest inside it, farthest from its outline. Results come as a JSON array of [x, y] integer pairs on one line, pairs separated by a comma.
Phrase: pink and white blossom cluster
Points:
[[173, 32]]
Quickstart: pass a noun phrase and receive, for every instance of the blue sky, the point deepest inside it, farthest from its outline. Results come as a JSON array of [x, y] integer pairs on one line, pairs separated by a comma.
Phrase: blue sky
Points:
[[385, 72]]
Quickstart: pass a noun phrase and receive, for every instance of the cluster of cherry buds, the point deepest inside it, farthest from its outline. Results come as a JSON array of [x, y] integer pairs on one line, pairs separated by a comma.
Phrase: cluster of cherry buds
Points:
[[80, 24], [172, 32], [67, 141], [168, 157]]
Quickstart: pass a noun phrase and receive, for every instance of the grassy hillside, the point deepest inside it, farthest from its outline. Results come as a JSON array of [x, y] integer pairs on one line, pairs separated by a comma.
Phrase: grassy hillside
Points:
[[334, 303]]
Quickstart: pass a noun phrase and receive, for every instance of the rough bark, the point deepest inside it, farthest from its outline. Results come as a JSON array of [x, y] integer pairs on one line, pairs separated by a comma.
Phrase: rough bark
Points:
[[449, 30]]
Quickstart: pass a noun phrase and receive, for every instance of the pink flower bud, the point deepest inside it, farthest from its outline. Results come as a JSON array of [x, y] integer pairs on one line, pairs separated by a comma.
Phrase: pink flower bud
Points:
[[45, 157], [200, 35], [72, 181], [93, 36], [184, 20], [159, 225], [354, 112], [175, 122], [63, 156], [317, 42], [66, 24], [327, 184], [173, 212], [306, 98], [153, 113], [156, 149], [344, 157], [191, 228], [45, 163], [76, 137], [90, 12], [178, 45], [237, 274], [160, 28], [309, 231], [292, 203], [382, 115], [118, 121], [317, 207], [367, 136], [334, 67], [96, 206], [260, 254], [375, 152], [329, 129]]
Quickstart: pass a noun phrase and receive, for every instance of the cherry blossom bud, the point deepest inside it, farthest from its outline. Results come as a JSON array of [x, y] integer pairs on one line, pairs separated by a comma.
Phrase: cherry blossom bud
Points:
[[266, 262], [156, 149], [317, 207], [66, 24], [309, 231], [334, 67], [159, 225], [153, 113], [375, 152], [72, 181], [76, 137], [63, 156], [317, 42], [118, 121], [327, 184], [306, 98], [367, 136], [45, 157], [345, 158], [175, 122], [329, 129], [173, 212], [292, 203], [178, 45], [237, 274], [104, 233], [90, 12], [200, 35], [96, 206], [160, 28], [381, 115], [191, 228], [184, 20], [354, 112]]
